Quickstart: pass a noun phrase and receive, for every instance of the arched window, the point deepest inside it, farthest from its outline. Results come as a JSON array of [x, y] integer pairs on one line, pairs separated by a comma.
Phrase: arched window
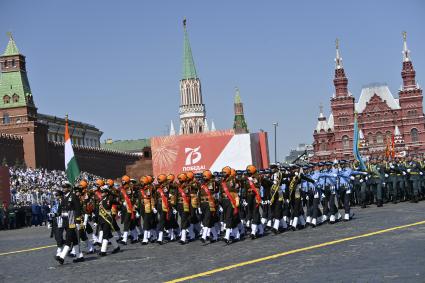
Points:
[[6, 118], [414, 135], [369, 138], [379, 138], [6, 99], [15, 98], [345, 142]]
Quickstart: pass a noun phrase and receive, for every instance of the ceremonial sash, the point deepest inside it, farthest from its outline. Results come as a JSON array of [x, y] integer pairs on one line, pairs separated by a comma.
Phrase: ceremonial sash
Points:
[[128, 202], [106, 216], [185, 199], [230, 197], [164, 202], [114, 209], [257, 194], [211, 201], [99, 195], [146, 201]]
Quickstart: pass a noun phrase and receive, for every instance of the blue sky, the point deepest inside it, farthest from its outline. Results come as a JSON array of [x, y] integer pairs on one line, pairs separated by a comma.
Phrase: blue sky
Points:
[[117, 64]]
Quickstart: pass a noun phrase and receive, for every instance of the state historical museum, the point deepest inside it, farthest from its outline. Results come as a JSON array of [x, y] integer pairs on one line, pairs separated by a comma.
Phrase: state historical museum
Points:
[[384, 121]]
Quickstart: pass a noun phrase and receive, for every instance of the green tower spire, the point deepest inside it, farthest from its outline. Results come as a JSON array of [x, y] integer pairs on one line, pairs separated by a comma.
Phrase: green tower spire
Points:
[[15, 89], [11, 48], [189, 71]]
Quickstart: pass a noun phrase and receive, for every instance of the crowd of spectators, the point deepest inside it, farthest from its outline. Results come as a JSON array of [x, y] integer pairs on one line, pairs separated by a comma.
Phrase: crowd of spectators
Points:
[[32, 194]]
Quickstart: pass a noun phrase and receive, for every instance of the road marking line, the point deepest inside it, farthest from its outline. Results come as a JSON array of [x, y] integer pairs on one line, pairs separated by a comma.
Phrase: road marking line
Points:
[[217, 270], [28, 250]]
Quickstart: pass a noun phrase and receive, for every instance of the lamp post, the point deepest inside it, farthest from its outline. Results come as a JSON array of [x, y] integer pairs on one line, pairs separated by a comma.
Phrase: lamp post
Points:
[[275, 147]]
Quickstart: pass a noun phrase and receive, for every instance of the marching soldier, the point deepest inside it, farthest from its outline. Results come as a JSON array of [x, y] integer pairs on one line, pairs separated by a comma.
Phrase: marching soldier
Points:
[[71, 215], [57, 222], [253, 185], [128, 214], [276, 199], [208, 206], [106, 221], [147, 207], [162, 206], [194, 203], [183, 206], [173, 227], [230, 203]]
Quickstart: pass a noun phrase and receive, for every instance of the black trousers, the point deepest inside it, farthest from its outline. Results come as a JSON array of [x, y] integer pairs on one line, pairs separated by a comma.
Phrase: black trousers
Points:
[[185, 216], [253, 210], [208, 216], [229, 217]]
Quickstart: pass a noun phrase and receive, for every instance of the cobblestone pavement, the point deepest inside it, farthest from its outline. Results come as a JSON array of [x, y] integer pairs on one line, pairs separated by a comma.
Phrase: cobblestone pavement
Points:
[[393, 256]]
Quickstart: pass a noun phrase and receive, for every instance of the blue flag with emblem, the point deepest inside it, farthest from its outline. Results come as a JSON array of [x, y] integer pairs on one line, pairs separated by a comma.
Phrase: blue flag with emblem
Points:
[[356, 141]]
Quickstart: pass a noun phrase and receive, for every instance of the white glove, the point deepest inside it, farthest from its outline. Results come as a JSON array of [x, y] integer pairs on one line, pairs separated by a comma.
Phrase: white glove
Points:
[[174, 211], [323, 196], [352, 178], [137, 214], [386, 176], [220, 209], [244, 203], [250, 178], [154, 210], [119, 213], [361, 180], [404, 173], [421, 173], [307, 197], [408, 170], [94, 225], [392, 166], [199, 210], [367, 178], [383, 183]]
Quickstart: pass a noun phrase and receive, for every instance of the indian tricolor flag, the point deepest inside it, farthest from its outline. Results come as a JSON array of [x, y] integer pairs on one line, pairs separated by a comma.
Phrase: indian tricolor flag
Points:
[[71, 166]]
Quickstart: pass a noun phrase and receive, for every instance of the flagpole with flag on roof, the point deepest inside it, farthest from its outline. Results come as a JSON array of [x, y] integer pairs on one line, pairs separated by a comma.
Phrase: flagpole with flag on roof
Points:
[[71, 165], [356, 142]]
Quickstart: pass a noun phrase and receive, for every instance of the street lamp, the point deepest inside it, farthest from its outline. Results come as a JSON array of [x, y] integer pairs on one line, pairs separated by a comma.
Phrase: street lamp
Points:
[[275, 148]]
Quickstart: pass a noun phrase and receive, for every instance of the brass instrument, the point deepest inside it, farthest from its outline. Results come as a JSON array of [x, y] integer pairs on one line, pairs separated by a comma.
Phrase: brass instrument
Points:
[[275, 187]]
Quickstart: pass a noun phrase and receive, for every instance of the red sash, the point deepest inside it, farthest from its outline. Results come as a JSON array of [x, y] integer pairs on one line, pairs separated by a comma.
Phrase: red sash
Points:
[[165, 202], [257, 194], [142, 191], [99, 195], [229, 196], [185, 199], [128, 202]]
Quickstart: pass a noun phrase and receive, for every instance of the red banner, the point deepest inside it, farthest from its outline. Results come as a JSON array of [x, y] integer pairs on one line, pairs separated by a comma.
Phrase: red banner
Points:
[[4, 186], [211, 150]]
